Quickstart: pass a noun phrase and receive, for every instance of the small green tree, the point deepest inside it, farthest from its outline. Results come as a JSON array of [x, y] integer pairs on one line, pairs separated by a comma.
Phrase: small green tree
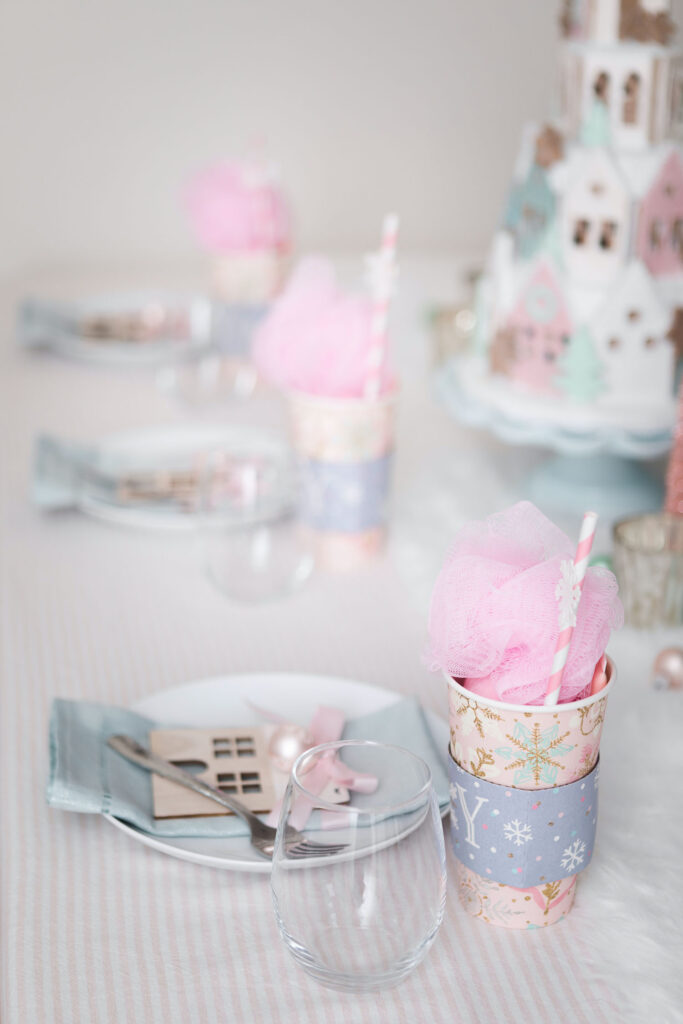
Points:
[[581, 372]]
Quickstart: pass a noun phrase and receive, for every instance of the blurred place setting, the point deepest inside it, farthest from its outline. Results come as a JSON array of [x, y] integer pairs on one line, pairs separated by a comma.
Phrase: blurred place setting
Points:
[[341, 558]]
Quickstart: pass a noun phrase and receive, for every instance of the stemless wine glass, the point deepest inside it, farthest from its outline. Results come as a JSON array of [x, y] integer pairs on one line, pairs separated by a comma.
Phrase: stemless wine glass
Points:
[[254, 547], [363, 919]]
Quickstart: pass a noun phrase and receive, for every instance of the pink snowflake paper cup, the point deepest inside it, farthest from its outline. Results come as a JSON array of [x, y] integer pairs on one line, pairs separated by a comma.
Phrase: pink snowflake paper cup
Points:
[[345, 448], [342, 429], [250, 277], [345, 552], [523, 747]]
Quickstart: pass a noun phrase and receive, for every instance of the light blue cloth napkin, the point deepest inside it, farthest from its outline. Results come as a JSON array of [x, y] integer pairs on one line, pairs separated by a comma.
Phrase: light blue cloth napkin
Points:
[[87, 776], [62, 470]]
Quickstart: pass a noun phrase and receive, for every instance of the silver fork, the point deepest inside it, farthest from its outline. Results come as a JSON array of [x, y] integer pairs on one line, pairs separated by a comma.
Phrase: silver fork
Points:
[[262, 836]]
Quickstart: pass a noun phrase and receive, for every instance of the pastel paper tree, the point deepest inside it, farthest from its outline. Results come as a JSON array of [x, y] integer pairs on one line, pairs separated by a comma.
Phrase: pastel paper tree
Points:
[[595, 130], [580, 375]]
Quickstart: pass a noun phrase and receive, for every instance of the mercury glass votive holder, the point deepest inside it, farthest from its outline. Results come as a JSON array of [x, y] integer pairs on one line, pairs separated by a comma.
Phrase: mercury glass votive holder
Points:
[[648, 560]]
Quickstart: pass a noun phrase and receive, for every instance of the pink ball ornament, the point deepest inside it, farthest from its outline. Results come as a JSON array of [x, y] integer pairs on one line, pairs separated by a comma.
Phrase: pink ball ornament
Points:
[[287, 743], [667, 671]]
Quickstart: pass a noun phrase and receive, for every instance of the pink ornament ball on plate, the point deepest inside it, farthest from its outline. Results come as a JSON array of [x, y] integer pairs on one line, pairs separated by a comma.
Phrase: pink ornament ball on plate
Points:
[[287, 743]]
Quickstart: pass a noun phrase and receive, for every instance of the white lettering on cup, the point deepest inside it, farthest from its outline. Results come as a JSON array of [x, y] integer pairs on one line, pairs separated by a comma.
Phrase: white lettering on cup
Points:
[[469, 818]]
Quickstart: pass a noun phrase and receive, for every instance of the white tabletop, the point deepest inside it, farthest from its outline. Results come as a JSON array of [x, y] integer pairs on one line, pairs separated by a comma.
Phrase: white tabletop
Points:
[[96, 928]]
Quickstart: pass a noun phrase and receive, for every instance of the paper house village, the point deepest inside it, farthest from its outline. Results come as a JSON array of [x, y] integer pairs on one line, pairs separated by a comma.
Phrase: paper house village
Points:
[[583, 294]]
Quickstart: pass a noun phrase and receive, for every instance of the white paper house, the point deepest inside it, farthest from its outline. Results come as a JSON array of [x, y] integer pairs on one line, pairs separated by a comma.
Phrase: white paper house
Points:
[[630, 333], [632, 80], [595, 219]]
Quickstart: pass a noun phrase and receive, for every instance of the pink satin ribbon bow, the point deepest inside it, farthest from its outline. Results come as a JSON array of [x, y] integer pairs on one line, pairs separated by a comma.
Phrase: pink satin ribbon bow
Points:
[[326, 726]]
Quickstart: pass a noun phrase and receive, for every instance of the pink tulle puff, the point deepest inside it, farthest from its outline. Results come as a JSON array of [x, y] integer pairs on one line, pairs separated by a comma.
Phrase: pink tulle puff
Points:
[[238, 207], [317, 338], [494, 618]]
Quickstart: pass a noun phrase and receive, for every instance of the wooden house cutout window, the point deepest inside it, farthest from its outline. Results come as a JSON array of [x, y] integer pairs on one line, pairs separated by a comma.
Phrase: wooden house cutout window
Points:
[[581, 232], [677, 236], [631, 98], [601, 87], [608, 234], [656, 234]]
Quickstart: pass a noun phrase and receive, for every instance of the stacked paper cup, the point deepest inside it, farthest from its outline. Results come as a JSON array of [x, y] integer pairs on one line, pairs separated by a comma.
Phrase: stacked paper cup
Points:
[[345, 449], [527, 850], [328, 350], [519, 628]]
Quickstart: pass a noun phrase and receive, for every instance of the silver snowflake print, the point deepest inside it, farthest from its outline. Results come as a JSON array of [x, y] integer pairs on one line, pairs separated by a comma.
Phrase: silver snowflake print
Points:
[[573, 855], [351, 494], [517, 833]]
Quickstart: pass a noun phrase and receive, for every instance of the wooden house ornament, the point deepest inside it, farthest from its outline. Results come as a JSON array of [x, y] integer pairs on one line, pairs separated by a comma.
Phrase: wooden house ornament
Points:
[[631, 337], [660, 220], [596, 214], [537, 330], [235, 761]]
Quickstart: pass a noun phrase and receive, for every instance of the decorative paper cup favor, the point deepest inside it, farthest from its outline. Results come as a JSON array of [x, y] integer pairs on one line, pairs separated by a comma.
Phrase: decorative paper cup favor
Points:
[[541, 837], [240, 216], [345, 449], [327, 351], [511, 595]]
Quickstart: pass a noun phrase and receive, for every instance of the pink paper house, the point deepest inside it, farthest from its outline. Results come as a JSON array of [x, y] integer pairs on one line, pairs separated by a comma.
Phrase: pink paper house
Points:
[[660, 223], [542, 327]]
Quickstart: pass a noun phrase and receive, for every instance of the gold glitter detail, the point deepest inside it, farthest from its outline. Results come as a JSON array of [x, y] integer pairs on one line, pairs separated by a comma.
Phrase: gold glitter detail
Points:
[[593, 720], [484, 758], [470, 704]]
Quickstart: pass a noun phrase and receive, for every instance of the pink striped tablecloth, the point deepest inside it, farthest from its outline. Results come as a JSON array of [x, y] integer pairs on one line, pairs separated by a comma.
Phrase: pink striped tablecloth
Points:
[[96, 928]]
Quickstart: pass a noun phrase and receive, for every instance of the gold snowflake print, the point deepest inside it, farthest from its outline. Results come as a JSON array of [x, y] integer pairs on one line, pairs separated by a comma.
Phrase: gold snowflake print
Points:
[[532, 756]]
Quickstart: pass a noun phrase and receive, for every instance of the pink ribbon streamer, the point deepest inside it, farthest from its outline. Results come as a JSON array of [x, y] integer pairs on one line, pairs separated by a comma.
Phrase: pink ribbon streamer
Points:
[[326, 726]]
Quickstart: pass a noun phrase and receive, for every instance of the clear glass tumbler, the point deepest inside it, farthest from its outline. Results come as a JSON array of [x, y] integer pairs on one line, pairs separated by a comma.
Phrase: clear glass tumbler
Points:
[[254, 547], [363, 919]]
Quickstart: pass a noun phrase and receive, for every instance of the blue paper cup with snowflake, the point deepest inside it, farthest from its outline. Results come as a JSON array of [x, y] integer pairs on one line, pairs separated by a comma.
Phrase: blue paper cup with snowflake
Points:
[[345, 449], [524, 803]]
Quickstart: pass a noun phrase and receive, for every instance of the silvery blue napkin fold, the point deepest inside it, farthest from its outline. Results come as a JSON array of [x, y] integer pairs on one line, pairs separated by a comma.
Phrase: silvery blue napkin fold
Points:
[[61, 471], [87, 776]]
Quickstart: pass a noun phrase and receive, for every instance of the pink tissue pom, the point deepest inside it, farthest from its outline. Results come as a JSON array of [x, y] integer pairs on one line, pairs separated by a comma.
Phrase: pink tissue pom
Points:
[[316, 338], [235, 207], [494, 615]]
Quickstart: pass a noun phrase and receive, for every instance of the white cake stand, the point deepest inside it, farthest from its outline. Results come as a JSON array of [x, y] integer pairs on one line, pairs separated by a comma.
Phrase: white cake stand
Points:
[[598, 447]]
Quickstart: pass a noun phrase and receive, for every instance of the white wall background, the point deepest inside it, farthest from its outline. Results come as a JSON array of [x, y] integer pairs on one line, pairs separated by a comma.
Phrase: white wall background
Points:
[[106, 107]]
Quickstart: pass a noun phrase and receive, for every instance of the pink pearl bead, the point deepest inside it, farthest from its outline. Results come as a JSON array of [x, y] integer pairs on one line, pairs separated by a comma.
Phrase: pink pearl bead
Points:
[[286, 744]]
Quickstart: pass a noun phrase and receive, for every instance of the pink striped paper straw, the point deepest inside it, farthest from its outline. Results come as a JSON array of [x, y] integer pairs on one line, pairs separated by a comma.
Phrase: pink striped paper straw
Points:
[[581, 557], [382, 279]]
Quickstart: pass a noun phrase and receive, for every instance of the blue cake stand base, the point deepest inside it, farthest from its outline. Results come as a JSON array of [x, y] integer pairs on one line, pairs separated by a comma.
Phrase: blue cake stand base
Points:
[[612, 486], [597, 463]]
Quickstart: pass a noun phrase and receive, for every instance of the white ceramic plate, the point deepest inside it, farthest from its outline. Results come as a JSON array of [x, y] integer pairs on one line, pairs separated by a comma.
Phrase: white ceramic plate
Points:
[[161, 448], [49, 325], [226, 699]]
